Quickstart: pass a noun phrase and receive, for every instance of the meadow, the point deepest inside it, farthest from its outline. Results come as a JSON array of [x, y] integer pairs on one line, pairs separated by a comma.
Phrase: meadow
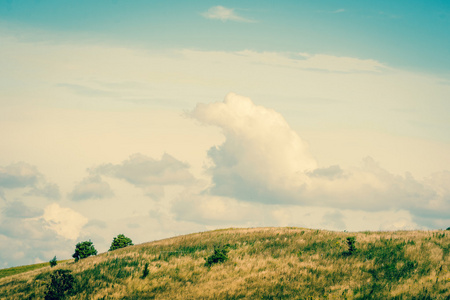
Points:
[[263, 263]]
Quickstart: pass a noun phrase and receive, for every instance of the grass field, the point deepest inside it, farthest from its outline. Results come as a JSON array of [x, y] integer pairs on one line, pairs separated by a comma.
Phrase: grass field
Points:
[[263, 263], [23, 269]]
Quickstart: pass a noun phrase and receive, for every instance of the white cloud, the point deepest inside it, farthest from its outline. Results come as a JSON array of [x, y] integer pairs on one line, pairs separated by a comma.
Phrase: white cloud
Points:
[[64, 221], [91, 188], [260, 150], [224, 14]]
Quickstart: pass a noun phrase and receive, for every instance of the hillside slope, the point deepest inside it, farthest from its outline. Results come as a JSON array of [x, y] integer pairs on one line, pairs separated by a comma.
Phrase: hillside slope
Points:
[[264, 263]]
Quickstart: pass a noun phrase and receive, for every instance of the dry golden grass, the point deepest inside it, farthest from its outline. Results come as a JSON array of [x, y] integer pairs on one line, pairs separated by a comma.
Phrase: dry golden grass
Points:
[[264, 263]]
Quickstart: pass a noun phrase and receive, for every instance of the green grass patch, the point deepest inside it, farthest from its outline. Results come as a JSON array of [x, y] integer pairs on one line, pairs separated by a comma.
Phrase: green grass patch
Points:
[[21, 269]]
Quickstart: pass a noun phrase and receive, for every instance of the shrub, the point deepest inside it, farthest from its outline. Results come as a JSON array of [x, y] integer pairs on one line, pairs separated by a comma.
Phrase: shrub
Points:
[[53, 262], [120, 241], [61, 285], [83, 250], [219, 255], [145, 272], [351, 245]]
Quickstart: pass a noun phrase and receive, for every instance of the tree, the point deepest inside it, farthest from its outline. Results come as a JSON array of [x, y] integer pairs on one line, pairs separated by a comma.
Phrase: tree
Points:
[[61, 285], [53, 262], [120, 241], [83, 250], [220, 255]]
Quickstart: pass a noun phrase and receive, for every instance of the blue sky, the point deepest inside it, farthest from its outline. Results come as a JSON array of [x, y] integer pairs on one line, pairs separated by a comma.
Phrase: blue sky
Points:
[[408, 34], [160, 118]]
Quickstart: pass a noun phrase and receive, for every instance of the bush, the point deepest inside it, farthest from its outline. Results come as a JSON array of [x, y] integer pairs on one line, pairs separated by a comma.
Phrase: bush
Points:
[[120, 241], [351, 245], [61, 285], [145, 272], [220, 255], [53, 262], [83, 250]]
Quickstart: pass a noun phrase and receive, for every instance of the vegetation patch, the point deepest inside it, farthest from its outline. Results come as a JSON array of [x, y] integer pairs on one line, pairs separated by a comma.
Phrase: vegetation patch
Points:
[[62, 284]]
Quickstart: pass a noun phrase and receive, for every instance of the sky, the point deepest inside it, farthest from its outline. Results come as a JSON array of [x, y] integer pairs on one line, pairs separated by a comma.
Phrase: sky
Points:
[[160, 118]]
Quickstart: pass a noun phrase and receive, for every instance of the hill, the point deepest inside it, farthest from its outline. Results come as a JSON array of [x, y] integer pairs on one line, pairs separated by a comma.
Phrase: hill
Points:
[[263, 263]]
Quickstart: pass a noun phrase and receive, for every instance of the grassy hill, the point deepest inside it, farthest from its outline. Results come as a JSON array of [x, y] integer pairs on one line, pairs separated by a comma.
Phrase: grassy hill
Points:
[[263, 263]]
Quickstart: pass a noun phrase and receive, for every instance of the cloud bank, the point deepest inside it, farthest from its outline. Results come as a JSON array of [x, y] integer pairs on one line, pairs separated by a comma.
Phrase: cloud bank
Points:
[[263, 160], [148, 173]]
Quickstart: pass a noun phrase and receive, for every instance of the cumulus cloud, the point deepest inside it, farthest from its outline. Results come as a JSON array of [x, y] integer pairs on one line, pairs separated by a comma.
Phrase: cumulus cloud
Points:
[[148, 173], [64, 221], [224, 14], [263, 160], [91, 188], [260, 150]]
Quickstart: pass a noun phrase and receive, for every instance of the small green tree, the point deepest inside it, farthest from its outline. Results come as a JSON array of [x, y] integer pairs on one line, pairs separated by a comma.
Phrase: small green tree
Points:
[[53, 262], [220, 255], [61, 285], [121, 241], [83, 250], [351, 245]]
